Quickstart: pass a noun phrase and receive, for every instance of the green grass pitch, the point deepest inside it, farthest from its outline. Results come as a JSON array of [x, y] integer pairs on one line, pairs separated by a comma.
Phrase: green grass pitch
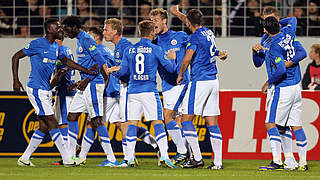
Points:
[[148, 169]]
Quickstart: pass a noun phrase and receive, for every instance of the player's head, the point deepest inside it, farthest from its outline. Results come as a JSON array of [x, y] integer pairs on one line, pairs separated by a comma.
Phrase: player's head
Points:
[[270, 11], [194, 18], [96, 33], [71, 26], [271, 25], [159, 17], [315, 52], [146, 28], [53, 26], [112, 28]]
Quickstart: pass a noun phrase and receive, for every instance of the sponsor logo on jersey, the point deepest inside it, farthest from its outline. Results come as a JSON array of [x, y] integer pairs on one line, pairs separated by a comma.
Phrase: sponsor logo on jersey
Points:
[[174, 42], [278, 59], [92, 47]]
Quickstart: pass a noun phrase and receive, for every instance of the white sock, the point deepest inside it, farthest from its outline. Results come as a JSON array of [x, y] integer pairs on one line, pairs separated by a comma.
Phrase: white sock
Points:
[[131, 137], [59, 142], [286, 143], [146, 137], [175, 134], [162, 140], [275, 143], [125, 149], [35, 140], [87, 142], [216, 143], [191, 135], [301, 141], [105, 143]]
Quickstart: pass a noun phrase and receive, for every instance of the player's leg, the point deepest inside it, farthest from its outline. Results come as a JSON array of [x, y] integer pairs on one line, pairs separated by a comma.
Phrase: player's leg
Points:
[[216, 141], [134, 112], [286, 144], [146, 137], [191, 105], [57, 138], [296, 124], [174, 132], [153, 111], [185, 142], [87, 141], [274, 114], [171, 102], [35, 141]]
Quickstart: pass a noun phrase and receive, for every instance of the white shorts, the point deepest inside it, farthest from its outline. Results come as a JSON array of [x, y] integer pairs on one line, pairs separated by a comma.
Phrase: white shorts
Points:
[[148, 103], [111, 108], [123, 102], [61, 107], [172, 99], [90, 100], [202, 98], [284, 105], [41, 101]]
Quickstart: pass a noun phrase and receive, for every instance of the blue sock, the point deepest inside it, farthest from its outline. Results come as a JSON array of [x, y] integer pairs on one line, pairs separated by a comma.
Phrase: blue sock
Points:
[[73, 131], [192, 138], [216, 143], [275, 143], [161, 137], [105, 142], [87, 142], [301, 141], [131, 137]]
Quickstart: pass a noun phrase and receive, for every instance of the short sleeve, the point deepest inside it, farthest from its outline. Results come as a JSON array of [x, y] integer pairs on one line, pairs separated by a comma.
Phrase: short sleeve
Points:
[[192, 43], [32, 48]]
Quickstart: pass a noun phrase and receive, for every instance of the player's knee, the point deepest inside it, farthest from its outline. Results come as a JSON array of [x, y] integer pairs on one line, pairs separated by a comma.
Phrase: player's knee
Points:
[[96, 122], [282, 129], [72, 117], [270, 125]]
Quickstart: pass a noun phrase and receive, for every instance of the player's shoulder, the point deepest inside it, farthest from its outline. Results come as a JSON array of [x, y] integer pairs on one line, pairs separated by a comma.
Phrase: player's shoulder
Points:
[[124, 42], [180, 34], [38, 42]]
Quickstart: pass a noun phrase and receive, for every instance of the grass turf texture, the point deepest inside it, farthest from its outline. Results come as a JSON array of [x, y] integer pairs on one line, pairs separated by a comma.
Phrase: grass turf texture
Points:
[[148, 169]]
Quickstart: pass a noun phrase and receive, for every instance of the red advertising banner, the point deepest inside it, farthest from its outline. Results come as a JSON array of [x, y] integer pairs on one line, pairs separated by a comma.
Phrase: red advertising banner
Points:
[[242, 124]]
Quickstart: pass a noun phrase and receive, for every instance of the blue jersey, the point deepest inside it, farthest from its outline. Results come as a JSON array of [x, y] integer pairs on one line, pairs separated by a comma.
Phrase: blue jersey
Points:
[[86, 49], [118, 54], [113, 87], [203, 63], [295, 53], [283, 46], [68, 78], [176, 41], [141, 62], [43, 56]]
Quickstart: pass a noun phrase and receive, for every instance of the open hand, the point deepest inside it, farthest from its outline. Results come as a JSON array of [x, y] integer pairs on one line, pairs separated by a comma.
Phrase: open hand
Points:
[[179, 79], [93, 70], [172, 54], [83, 84], [265, 87], [223, 55], [174, 10]]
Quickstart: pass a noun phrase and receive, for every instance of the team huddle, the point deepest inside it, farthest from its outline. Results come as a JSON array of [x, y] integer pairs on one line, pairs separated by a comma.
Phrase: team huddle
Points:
[[121, 86]]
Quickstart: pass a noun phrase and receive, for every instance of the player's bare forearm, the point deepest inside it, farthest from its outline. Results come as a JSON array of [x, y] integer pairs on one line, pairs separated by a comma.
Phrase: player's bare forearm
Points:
[[105, 74], [57, 77], [68, 62], [288, 63], [186, 61], [175, 11], [15, 63]]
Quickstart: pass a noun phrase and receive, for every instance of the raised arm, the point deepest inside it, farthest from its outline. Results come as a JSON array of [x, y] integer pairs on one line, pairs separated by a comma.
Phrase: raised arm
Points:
[[175, 11], [17, 86]]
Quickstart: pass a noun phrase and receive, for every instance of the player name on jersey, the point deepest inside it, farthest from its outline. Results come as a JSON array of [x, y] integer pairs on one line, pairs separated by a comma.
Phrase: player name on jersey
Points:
[[141, 77]]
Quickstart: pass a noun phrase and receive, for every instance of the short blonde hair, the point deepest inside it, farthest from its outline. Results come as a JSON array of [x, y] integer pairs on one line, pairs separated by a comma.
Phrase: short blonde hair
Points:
[[316, 48], [159, 11], [116, 24]]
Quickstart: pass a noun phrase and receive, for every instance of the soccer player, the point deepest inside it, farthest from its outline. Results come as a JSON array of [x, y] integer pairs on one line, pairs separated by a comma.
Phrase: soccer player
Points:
[[284, 92], [43, 53], [172, 93], [259, 52], [64, 84], [89, 97], [113, 29], [202, 96], [141, 62]]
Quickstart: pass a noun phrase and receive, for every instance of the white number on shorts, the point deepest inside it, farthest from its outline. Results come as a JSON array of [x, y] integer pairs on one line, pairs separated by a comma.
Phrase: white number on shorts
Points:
[[140, 63]]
